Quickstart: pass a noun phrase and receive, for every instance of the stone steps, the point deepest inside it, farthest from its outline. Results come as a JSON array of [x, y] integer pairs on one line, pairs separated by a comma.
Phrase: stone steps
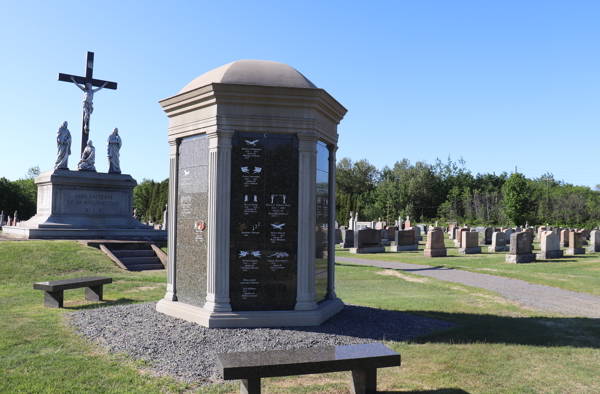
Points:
[[134, 256]]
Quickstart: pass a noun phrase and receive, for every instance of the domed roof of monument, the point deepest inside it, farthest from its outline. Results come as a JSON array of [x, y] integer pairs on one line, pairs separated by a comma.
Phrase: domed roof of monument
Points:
[[252, 72]]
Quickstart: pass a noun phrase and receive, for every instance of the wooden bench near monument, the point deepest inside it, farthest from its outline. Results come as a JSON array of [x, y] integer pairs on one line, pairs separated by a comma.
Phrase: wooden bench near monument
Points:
[[53, 290], [363, 360]]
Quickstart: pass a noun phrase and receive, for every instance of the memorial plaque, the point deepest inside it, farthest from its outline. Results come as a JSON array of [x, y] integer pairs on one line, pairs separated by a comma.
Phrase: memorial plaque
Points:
[[264, 221], [192, 214]]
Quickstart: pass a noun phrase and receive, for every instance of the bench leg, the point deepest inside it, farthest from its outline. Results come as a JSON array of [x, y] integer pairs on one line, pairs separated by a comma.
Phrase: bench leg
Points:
[[94, 293], [250, 386], [364, 381], [53, 299]]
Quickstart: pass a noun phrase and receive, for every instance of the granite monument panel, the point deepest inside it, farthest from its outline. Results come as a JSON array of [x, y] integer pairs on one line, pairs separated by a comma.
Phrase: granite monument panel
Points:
[[264, 221], [192, 215], [322, 221]]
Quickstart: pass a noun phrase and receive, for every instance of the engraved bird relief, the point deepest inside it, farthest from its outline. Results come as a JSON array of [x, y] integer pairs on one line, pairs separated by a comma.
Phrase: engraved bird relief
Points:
[[243, 253], [272, 198], [255, 198], [243, 227], [245, 169], [186, 173], [278, 226], [252, 143], [256, 253], [256, 226], [246, 198], [284, 197], [280, 254], [257, 170]]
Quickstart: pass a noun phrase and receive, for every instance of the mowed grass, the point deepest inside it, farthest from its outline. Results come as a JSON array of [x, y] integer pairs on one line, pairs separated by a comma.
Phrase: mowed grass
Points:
[[576, 273], [495, 347]]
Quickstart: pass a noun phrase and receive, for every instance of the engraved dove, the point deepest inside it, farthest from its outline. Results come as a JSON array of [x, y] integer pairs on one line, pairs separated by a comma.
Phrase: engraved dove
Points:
[[253, 143]]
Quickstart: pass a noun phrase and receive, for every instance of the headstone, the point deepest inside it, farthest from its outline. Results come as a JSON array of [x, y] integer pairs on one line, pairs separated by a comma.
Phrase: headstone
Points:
[[585, 235], [15, 219], [550, 246], [487, 235], [417, 231], [507, 235], [405, 240], [337, 224], [166, 216], [380, 225], [564, 238], [594, 242], [458, 240], [407, 224], [520, 248], [469, 244], [385, 241], [423, 229], [575, 243], [367, 240], [348, 238], [392, 232], [2, 219], [453, 231], [498, 242], [435, 244], [268, 259], [338, 236]]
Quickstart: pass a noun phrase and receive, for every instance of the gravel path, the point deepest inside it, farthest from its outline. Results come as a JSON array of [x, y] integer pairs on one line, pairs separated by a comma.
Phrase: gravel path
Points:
[[186, 351], [539, 297]]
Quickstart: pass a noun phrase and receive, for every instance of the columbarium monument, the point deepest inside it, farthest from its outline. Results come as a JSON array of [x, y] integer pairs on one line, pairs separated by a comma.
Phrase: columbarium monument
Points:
[[252, 198]]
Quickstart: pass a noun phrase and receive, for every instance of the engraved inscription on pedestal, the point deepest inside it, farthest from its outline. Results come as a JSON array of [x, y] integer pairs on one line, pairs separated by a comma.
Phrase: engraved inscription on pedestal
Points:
[[264, 221], [192, 213]]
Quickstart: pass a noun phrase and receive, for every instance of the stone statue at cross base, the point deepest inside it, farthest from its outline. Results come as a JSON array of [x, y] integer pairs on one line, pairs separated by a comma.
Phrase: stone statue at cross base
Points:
[[112, 150], [63, 147], [2, 218], [88, 158]]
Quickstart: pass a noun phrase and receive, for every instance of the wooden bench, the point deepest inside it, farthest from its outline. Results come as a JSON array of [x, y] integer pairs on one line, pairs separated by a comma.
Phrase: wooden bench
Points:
[[362, 360], [53, 290]]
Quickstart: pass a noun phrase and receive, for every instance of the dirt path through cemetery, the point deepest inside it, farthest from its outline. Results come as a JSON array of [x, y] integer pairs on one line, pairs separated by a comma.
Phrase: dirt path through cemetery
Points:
[[539, 297]]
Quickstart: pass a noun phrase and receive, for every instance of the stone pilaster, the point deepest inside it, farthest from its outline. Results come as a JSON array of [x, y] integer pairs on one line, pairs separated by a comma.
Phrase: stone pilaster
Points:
[[307, 211], [171, 294], [219, 200], [331, 255]]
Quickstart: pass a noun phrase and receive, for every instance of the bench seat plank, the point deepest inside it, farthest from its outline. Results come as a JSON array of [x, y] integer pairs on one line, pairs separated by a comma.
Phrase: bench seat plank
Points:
[[68, 284], [245, 365]]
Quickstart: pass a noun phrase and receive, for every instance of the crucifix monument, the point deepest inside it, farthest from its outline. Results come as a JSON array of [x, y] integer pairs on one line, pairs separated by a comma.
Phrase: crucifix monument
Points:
[[86, 84]]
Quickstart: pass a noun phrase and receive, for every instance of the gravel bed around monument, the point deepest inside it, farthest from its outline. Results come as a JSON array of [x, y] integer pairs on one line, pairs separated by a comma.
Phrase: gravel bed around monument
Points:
[[187, 351]]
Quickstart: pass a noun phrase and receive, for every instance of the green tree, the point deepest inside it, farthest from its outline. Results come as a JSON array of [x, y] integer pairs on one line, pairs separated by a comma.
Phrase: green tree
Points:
[[517, 199]]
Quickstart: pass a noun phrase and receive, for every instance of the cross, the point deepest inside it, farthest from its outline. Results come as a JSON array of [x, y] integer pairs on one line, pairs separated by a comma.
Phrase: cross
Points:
[[89, 69]]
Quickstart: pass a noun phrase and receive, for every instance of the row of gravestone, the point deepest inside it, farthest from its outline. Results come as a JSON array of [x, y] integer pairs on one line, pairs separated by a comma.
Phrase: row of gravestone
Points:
[[386, 236], [9, 221]]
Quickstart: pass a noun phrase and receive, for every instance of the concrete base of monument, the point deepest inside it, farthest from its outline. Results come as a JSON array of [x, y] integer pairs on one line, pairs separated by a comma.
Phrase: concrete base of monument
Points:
[[435, 252], [369, 249], [474, 250], [519, 258], [206, 318], [550, 254], [498, 248], [574, 251], [403, 248], [84, 205]]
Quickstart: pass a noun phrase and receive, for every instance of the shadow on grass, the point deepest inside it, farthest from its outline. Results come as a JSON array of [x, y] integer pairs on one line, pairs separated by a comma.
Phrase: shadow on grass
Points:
[[102, 304], [460, 328], [428, 268], [438, 391]]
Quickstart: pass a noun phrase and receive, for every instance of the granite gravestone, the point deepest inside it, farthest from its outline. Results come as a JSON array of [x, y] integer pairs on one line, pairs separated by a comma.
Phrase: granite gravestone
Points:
[[469, 244], [575, 243], [367, 240], [550, 246], [498, 243], [249, 194], [417, 231], [594, 242], [348, 238], [405, 240], [487, 236], [520, 248], [435, 244], [459, 237], [507, 235]]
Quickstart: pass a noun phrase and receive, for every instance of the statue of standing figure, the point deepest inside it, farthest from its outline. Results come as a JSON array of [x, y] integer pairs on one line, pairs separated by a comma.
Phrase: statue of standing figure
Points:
[[63, 147], [88, 98], [113, 147], [88, 158]]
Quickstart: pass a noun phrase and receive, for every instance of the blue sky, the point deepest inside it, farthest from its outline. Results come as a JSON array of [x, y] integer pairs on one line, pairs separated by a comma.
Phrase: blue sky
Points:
[[500, 83]]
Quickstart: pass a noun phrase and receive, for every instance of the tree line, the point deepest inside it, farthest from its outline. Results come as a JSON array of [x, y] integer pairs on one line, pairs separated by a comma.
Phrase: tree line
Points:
[[449, 192]]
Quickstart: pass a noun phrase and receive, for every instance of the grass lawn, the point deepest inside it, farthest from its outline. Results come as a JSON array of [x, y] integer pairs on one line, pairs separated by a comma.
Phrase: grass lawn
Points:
[[496, 347], [576, 273]]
